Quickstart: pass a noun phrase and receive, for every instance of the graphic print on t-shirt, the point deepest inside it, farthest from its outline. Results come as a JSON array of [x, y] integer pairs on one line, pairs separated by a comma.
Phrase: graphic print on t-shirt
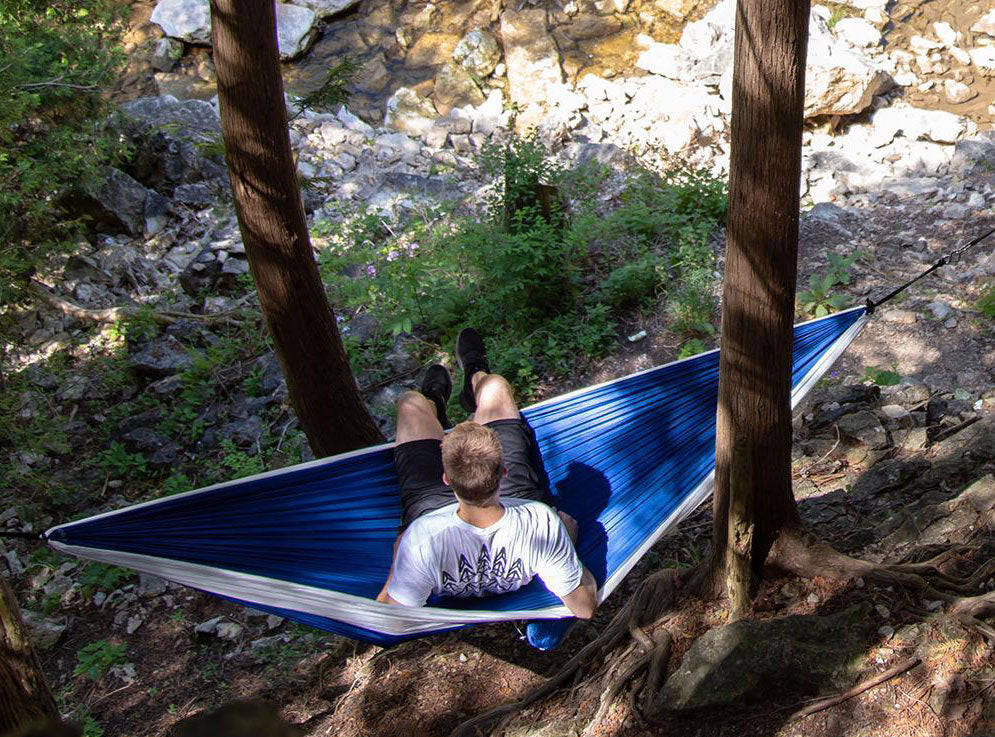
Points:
[[487, 577]]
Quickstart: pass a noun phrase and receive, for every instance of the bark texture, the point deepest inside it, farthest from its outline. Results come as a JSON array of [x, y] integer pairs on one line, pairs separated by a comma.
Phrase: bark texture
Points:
[[753, 499], [274, 230], [24, 696]]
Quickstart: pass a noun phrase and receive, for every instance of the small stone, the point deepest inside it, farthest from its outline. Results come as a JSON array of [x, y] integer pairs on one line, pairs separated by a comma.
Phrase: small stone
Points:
[[44, 632], [950, 323], [940, 310], [265, 642], [790, 590], [883, 611], [208, 627], [134, 622], [229, 630], [934, 606], [273, 621], [99, 598], [886, 632], [957, 92], [462, 658], [149, 585], [902, 317], [812, 599], [946, 33], [985, 24], [478, 52]]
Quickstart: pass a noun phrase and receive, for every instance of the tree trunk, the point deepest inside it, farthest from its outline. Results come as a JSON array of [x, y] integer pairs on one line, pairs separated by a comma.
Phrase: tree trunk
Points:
[[753, 497], [24, 696], [274, 230]]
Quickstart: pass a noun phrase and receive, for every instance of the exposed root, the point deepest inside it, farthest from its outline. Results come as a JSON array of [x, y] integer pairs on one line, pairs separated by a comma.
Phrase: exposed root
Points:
[[615, 687], [654, 595], [657, 669], [970, 612], [123, 312], [866, 685]]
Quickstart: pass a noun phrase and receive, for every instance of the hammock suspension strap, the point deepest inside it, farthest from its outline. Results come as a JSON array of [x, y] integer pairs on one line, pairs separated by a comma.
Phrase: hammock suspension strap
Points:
[[943, 261]]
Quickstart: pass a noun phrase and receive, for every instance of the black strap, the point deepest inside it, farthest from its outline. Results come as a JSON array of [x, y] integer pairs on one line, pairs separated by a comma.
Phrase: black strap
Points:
[[944, 260], [23, 535]]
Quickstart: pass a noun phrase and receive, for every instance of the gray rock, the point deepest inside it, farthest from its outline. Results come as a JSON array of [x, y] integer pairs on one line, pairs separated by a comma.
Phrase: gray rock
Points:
[[603, 153], [132, 625], [362, 328], [295, 29], [273, 621], [532, 56], [151, 586], [201, 274], [374, 76], [166, 53], [228, 630], [143, 440], [14, 564], [326, 8], [409, 113], [162, 357], [264, 643], [243, 433], [121, 202], [193, 195], [44, 632], [755, 661], [187, 20], [73, 389], [208, 627], [864, 427], [478, 52], [58, 585], [940, 310]]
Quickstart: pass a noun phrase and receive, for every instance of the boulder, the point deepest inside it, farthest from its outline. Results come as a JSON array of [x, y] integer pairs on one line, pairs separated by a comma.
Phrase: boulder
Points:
[[782, 659], [864, 427], [187, 20], [478, 53], [409, 113], [373, 77], [190, 21], [43, 632], [455, 87], [838, 80], [916, 124], [985, 24], [295, 30], [166, 53], [162, 357], [121, 202], [531, 55], [983, 57], [326, 8], [857, 32]]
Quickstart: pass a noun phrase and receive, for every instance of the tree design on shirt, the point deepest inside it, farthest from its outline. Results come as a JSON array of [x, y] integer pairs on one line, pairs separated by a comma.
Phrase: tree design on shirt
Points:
[[486, 577]]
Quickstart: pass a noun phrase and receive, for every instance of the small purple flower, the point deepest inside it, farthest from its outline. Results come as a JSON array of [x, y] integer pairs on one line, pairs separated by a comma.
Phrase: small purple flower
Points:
[[371, 270]]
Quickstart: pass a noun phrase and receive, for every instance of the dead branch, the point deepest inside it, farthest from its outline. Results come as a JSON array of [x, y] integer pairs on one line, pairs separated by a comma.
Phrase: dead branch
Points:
[[123, 312], [954, 430], [856, 690]]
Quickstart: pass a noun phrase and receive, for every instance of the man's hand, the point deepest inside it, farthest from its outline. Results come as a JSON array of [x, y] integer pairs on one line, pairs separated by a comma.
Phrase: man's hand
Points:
[[583, 600], [570, 523]]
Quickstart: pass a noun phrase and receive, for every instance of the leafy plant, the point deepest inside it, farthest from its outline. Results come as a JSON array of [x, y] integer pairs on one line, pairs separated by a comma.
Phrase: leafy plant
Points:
[[691, 348], [95, 659], [882, 377], [102, 577], [118, 462], [818, 300], [238, 462], [986, 303], [177, 483]]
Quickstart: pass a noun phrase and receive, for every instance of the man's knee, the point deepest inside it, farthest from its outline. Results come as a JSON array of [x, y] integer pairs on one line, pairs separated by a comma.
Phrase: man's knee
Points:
[[413, 403], [494, 389]]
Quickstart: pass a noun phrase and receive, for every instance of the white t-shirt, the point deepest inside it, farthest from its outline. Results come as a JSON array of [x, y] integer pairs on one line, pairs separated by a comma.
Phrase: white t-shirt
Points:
[[441, 553]]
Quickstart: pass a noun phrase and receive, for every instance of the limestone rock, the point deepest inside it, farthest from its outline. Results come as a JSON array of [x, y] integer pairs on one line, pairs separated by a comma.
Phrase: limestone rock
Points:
[[455, 87], [983, 57], [750, 661], [914, 123], [43, 632], [531, 56], [409, 113], [187, 20], [985, 24], [838, 80], [294, 29], [857, 32], [957, 92], [478, 52], [162, 357], [326, 8]]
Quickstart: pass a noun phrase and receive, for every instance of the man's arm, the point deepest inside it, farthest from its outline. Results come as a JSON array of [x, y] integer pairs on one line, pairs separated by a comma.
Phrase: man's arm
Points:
[[583, 600]]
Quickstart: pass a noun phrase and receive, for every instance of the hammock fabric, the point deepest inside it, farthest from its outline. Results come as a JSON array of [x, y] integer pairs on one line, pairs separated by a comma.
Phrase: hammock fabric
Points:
[[629, 459]]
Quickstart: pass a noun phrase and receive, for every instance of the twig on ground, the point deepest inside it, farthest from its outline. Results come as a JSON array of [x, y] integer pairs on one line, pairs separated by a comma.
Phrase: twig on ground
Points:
[[954, 430], [866, 685]]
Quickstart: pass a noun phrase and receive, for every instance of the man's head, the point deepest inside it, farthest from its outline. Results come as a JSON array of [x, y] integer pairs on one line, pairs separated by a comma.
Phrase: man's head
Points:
[[471, 459]]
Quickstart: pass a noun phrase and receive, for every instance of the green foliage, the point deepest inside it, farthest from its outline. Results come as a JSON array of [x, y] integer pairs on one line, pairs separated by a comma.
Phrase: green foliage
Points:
[[545, 289], [91, 727], [881, 376], [239, 463], [818, 300], [332, 91], [253, 382], [116, 461], [102, 577], [986, 304], [56, 60], [691, 348], [95, 659]]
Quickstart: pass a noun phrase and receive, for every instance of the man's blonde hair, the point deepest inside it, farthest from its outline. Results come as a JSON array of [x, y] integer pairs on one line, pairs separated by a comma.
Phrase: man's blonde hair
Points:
[[471, 458]]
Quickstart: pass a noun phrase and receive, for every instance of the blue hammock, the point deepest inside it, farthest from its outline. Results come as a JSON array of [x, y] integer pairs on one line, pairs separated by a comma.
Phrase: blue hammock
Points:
[[629, 459]]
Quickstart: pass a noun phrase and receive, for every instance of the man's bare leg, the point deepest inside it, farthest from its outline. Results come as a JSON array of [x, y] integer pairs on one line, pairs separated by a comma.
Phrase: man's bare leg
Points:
[[495, 398], [417, 419]]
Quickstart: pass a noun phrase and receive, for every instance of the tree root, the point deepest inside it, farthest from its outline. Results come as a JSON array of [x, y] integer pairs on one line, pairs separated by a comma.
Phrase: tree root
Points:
[[970, 611], [653, 596], [122, 312], [866, 685]]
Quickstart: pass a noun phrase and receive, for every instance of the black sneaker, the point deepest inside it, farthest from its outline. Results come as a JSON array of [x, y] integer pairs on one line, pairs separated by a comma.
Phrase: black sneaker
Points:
[[438, 387], [472, 357]]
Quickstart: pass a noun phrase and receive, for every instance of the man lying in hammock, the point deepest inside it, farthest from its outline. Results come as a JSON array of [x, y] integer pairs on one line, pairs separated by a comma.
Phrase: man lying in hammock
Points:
[[499, 531]]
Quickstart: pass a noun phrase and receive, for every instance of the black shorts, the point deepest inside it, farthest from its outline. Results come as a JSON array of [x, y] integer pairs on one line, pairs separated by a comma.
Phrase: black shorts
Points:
[[419, 469]]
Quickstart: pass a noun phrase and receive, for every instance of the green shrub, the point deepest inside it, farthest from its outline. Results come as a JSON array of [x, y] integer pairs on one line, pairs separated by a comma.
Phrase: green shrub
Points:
[[57, 59], [986, 304], [95, 659], [881, 376]]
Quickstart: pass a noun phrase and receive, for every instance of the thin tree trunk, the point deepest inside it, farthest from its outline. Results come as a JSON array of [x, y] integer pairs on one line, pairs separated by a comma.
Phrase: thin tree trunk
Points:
[[24, 696], [753, 498], [274, 230]]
